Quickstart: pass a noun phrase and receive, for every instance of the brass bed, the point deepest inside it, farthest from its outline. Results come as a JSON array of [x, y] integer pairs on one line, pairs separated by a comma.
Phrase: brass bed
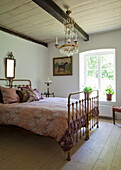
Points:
[[89, 114], [83, 112]]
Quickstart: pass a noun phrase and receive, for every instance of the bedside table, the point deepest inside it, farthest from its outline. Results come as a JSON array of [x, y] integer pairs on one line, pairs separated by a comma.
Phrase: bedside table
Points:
[[48, 94]]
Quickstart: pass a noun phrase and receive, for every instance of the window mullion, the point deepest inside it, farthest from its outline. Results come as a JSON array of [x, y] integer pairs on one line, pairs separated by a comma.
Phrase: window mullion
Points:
[[114, 70], [85, 72], [99, 72]]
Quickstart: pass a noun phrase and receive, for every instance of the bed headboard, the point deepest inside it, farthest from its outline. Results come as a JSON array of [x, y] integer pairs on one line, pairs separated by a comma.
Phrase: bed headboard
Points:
[[16, 83]]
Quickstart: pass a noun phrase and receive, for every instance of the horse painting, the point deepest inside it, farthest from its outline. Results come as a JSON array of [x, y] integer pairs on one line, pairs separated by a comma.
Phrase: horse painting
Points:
[[62, 67]]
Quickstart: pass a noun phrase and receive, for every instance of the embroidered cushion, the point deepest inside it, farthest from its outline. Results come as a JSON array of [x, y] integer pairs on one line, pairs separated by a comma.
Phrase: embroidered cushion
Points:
[[25, 87], [38, 94], [9, 95], [1, 98], [27, 95]]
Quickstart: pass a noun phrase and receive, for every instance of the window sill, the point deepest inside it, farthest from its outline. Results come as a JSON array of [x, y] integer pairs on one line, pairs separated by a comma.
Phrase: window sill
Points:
[[106, 101]]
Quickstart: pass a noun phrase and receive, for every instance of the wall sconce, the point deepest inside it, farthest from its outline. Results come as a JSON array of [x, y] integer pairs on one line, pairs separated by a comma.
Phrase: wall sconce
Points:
[[10, 63]]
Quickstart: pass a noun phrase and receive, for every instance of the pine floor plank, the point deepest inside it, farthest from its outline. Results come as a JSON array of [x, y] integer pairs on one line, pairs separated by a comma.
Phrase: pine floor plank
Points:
[[21, 151], [116, 163], [105, 158], [88, 153]]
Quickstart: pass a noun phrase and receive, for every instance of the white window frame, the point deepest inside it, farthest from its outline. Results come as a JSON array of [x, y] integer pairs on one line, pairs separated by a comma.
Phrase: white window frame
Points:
[[83, 67]]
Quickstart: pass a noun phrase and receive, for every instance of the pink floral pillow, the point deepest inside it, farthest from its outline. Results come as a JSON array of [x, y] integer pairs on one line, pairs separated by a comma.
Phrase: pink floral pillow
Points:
[[25, 87], [9, 95], [27, 95], [1, 98]]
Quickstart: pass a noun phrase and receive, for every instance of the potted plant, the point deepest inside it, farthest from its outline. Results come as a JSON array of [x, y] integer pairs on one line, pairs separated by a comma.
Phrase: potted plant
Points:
[[109, 91], [88, 91]]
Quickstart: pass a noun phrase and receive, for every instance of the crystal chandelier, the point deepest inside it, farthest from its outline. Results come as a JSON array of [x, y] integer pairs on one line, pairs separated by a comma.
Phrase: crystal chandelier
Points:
[[70, 46]]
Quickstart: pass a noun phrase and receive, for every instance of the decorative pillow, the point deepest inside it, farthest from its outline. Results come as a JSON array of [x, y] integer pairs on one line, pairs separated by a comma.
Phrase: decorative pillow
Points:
[[1, 98], [23, 94], [38, 94], [27, 95], [9, 95], [25, 87]]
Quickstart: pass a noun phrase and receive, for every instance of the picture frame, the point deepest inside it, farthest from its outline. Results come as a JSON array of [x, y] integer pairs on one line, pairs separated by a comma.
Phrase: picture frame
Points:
[[62, 66]]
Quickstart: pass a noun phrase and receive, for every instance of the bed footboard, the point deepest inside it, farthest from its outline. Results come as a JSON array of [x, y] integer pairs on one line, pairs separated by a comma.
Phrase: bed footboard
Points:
[[83, 115]]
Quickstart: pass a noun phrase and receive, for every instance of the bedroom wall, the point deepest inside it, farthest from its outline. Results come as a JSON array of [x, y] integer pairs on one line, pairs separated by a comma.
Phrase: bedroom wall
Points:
[[63, 85], [31, 59]]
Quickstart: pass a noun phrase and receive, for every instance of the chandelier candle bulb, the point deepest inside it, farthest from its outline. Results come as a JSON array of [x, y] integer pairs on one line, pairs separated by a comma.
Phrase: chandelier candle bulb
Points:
[[76, 36], [56, 39]]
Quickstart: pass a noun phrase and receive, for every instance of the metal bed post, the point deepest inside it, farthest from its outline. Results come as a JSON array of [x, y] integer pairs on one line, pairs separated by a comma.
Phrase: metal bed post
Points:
[[97, 108], [69, 156], [87, 114]]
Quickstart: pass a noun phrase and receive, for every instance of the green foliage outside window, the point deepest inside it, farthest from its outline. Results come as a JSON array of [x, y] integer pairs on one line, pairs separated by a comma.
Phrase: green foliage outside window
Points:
[[92, 62], [107, 69]]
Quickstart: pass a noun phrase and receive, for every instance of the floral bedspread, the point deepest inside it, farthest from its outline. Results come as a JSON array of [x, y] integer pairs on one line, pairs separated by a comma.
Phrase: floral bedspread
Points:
[[47, 117]]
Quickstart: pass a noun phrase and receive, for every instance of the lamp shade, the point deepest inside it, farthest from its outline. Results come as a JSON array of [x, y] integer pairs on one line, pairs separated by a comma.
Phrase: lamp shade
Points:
[[48, 81]]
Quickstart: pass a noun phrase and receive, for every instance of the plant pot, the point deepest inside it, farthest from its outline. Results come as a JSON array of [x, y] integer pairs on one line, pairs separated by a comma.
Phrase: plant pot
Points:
[[109, 97]]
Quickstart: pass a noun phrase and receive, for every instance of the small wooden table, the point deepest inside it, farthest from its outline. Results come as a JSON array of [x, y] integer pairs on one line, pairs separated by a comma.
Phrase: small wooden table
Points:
[[48, 94], [115, 109]]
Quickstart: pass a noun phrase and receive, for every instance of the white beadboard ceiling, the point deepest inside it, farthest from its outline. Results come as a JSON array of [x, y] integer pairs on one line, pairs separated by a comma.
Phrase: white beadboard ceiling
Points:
[[26, 17]]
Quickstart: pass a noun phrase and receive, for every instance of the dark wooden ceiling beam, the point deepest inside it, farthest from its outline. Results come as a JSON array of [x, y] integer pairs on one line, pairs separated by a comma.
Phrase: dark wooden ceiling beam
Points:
[[23, 36], [53, 9]]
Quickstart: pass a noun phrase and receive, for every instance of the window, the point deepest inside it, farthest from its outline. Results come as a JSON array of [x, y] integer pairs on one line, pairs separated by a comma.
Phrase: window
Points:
[[97, 69]]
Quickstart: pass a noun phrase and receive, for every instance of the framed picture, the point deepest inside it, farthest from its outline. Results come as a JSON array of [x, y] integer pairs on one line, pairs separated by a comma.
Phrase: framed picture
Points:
[[62, 66]]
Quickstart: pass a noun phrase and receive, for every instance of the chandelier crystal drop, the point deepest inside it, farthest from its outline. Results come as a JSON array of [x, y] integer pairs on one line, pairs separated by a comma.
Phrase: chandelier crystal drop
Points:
[[70, 46]]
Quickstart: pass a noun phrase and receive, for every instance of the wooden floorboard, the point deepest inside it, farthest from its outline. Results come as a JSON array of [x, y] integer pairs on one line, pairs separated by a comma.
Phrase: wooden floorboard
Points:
[[21, 151], [116, 163], [106, 156]]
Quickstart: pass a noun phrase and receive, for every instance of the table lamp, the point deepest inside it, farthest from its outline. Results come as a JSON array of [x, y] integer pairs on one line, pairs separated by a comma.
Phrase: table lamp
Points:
[[48, 82]]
